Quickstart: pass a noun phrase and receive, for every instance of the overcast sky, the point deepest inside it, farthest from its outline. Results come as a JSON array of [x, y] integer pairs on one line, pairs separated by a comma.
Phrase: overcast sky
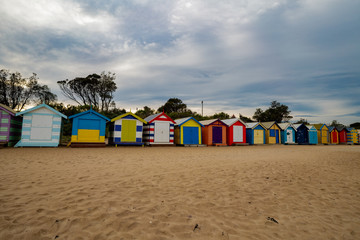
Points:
[[235, 55]]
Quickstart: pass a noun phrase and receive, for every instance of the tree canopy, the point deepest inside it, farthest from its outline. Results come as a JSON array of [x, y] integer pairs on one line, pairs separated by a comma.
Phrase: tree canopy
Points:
[[16, 91], [94, 90], [175, 108], [276, 112]]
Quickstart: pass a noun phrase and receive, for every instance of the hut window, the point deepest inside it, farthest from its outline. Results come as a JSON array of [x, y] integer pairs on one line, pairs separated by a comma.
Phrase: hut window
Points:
[[272, 132]]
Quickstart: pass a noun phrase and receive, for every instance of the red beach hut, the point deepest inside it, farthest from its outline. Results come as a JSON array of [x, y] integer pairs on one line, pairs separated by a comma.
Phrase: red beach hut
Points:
[[235, 131], [342, 135]]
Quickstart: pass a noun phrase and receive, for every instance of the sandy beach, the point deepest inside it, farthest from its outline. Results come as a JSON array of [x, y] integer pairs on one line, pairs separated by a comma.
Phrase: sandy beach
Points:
[[251, 192]]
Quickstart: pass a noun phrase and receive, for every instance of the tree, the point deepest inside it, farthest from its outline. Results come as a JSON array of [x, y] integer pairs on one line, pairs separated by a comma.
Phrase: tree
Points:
[[143, 113], [276, 112], [16, 91], [221, 116], [302, 120], [173, 105], [244, 118], [335, 123], [355, 125], [94, 90]]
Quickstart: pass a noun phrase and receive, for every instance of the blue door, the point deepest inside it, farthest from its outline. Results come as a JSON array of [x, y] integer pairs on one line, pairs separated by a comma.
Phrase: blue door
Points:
[[217, 134], [191, 135], [277, 132]]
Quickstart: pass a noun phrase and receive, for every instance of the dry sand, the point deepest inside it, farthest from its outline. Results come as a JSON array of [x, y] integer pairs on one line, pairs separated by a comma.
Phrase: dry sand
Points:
[[313, 192]]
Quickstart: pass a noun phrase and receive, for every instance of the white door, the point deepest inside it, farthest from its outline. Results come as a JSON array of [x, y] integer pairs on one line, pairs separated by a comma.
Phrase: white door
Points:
[[41, 127], [162, 132], [289, 136], [237, 133]]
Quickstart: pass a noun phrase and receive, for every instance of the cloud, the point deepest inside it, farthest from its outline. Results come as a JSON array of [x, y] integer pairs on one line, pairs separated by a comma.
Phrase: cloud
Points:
[[234, 55]]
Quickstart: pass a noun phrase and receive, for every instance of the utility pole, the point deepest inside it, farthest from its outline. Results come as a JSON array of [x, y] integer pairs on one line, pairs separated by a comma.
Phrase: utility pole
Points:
[[202, 108]]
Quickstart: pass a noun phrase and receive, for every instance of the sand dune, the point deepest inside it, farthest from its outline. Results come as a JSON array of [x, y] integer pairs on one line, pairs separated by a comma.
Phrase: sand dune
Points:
[[312, 192]]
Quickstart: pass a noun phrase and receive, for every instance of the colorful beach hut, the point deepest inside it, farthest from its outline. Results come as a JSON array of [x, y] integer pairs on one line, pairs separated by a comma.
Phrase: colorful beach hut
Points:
[[41, 127], [88, 129], [188, 131], [272, 132], [313, 134], [126, 129], [10, 126], [334, 135], [255, 133], [288, 133], [159, 130], [235, 131], [302, 133], [322, 132], [342, 135], [352, 137], [214, 132]]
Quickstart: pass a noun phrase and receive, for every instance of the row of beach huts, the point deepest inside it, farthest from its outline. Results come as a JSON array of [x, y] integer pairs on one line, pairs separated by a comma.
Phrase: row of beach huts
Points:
[[40, 126]]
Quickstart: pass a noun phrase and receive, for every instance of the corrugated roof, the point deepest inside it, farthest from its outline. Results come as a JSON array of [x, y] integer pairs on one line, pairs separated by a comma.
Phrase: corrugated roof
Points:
[[87, 112], [297, 125], [208, 122], [339, 128], [318, 126], [284, 126], [254, 125], [127, 114], [231, 121], [268, 124], [151, 117], [8, 109], [40, 106], [181, 121], [331, 128], [310, 127]]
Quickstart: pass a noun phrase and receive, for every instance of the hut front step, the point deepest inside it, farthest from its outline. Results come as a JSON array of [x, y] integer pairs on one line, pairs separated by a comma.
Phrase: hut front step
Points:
[[85, 145]]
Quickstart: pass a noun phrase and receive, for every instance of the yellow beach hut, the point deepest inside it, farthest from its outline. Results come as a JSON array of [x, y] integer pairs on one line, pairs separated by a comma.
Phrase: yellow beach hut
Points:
[[272, 133], [322, 132], [187, 131]]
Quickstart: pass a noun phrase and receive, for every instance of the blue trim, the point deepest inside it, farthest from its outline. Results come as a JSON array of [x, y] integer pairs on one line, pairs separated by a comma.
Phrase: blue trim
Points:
[[26, 129], [118, 128], [117, 139], [40, 106], [138, 140], [89, 112], [139, 128], [27, 121]]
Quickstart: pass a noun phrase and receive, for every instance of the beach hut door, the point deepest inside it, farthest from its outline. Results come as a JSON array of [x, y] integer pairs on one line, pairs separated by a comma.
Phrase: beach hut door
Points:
[[217, 134], [162, 132], [237, 133], [289, 136], [41, 127]]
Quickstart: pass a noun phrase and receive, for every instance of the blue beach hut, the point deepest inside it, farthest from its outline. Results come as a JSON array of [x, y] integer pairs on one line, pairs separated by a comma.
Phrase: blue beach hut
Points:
[[41, 127], [188, 131], [313, 134], [255, 133], [88, 129], [288, 133], [302, 133]]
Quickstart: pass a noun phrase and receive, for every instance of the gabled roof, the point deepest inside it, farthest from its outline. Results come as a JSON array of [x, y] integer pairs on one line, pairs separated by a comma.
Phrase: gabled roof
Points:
[[231, 121], [181, 121], [349, 129], [158, 116], [40, 106], [339, 128], [331, 128], [268, 125], [319, 126], [127, 114], [284, 126], [311, 127], [210, 121], [253, 125], [8, 109], [90, 111]]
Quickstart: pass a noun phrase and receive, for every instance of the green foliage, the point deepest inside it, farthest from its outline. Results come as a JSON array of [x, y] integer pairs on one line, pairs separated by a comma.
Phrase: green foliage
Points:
[[335, 123], [355, 125], [16, 91], [143, 113], [245, 119], [175, 108], [302, 120], [95, 90], [276, 112]]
